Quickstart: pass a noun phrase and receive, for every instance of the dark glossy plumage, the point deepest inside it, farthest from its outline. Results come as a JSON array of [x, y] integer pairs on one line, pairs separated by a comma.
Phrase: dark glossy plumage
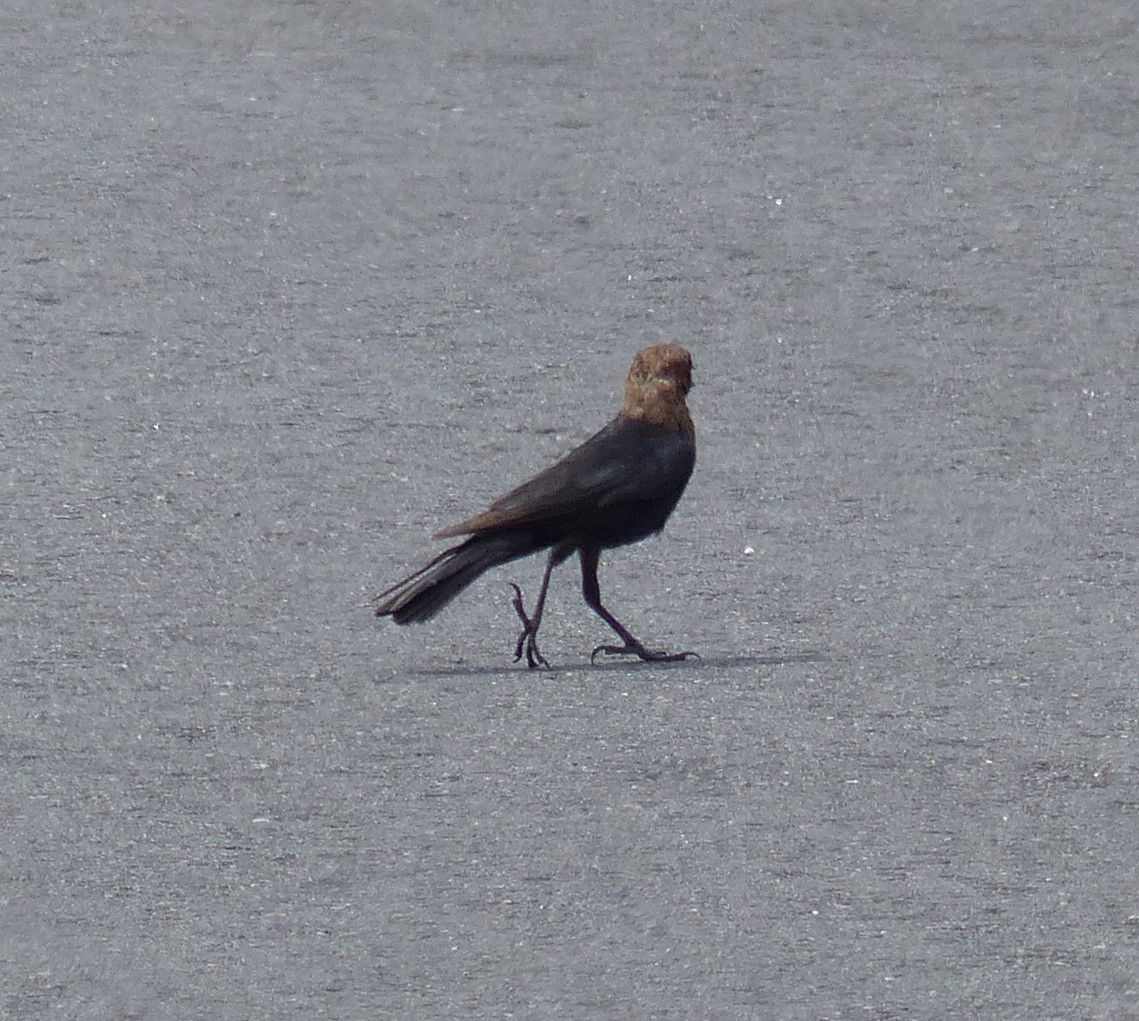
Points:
[[618, 487]]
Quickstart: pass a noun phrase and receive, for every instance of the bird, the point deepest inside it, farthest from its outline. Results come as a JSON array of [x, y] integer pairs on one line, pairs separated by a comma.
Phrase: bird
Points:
[[618, 487]]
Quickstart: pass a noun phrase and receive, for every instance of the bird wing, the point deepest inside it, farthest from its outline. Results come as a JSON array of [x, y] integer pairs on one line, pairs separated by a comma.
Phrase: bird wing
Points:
[[626, 461]]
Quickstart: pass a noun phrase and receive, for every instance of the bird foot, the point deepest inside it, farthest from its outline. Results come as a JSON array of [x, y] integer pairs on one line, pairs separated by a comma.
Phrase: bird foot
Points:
[[647, 655], [528, 640]]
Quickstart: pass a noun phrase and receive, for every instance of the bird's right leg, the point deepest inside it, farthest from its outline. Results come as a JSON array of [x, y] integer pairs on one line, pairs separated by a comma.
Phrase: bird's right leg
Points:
[[528, 639], [591, 590]]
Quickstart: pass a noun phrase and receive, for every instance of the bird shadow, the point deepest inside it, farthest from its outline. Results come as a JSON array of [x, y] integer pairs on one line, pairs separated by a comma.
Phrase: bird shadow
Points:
[[623, 666]]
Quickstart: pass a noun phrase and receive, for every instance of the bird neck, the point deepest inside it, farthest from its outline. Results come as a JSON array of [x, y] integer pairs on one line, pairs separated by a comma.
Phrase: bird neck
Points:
[[658, 403]]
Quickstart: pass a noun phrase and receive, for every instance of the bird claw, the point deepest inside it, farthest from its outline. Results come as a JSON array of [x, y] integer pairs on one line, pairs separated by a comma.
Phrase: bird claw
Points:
[[646, 655], [534, 658], [528, 640]]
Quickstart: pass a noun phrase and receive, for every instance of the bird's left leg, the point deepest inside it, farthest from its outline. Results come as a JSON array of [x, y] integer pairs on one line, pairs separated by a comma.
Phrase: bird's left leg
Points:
[[528, 639], [591, 590]]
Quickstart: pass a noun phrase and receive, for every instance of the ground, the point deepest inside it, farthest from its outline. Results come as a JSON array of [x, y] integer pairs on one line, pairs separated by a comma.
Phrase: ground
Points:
[[290, 286]]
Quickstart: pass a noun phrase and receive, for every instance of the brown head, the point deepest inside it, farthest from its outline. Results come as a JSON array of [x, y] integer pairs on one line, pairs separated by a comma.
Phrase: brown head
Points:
[[656, 386]]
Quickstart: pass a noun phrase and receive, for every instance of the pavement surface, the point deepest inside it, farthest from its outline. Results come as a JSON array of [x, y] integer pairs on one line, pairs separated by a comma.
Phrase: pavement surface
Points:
[[286, 287]]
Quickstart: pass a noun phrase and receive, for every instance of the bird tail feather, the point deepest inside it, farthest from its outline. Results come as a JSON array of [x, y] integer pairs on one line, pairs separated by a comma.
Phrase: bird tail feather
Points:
[[420, 596]]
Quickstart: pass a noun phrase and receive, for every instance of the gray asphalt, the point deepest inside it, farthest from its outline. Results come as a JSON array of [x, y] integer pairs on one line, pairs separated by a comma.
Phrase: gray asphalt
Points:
[[288, 287]]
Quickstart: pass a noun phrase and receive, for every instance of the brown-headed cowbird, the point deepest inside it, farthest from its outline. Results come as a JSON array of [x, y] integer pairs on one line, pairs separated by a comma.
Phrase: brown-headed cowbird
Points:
[[618, 487]]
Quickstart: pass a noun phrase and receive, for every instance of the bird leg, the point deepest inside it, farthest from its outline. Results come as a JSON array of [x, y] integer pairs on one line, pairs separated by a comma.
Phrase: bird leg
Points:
[[528, 639], [591, 591]]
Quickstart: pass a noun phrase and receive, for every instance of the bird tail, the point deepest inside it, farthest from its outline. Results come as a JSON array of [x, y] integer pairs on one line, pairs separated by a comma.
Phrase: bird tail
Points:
[[421, 595]]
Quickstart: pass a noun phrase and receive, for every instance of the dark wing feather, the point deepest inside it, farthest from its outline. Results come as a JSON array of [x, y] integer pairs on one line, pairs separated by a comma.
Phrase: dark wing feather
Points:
[[627, 461]]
